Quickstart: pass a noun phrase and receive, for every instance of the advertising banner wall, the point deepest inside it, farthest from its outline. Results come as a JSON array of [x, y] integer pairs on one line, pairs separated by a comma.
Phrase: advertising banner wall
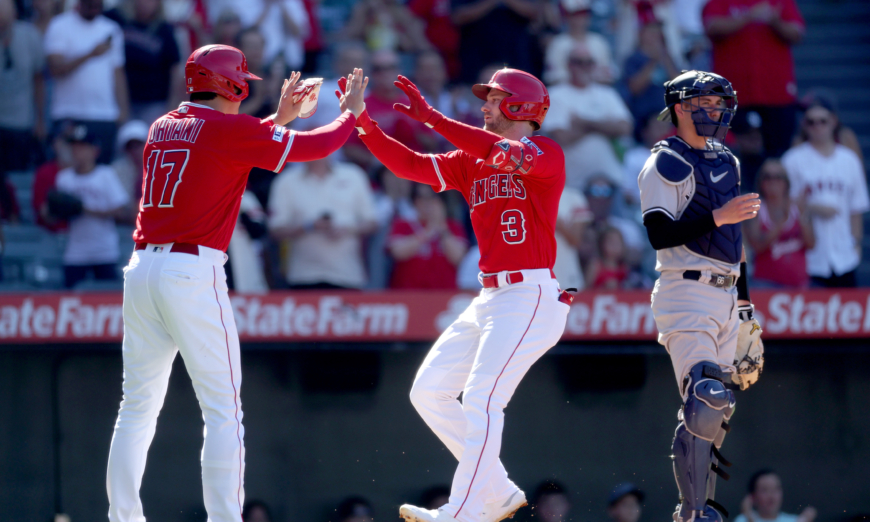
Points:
[[417, 316]]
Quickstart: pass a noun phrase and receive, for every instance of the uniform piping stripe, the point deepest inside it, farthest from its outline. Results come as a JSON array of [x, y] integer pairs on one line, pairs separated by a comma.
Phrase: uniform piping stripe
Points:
[[438, 173], [486, 437], [286, 151], [235, 392], [658, 209]]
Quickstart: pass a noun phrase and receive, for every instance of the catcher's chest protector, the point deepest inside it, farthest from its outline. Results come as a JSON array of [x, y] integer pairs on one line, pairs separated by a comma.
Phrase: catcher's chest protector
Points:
[[717, 181]]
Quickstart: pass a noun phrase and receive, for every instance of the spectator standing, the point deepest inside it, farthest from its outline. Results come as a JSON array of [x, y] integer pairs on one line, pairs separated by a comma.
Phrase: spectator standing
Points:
[[578, 16], [43, 12], [551, 502], [842, 134], [386, 25], [624, 503], [392, 202], [22, 91], [646, 70], [325, 208], [632, 14], [764, 501], [494, 31], [650, 131], [426, 251], [227, 27], [588, 117], [752, 42], [92, 245], [45, 179], [283, 23], [833, 180], [574, 216], [263, 96], [85, 53], [440, 31], [245, 265], [314, 42], [128, 165], [152, 60], [782, 234]]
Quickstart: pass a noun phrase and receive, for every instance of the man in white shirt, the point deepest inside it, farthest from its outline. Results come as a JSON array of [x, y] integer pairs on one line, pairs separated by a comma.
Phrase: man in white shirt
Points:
[[578, 15], [832, 179], [586, 116], [85, 54], [325, 208], [574, 215], [764, 501], [92, 245]]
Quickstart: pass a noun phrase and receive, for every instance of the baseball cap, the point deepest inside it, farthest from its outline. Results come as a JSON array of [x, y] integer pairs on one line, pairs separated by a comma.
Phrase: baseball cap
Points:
[[623, 489], [132, 130], [81, 133], [576, 6]]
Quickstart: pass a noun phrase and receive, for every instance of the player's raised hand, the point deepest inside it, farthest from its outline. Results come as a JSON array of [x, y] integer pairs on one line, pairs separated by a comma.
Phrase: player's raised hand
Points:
[[737, 210], [288, 107], [419, 109], [351, 95]]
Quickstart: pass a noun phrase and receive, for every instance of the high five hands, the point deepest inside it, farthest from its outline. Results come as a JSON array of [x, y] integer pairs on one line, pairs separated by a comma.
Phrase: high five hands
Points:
[[351, 91]]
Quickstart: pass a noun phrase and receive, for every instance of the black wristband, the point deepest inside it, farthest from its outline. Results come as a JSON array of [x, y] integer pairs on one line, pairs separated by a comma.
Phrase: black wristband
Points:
[[742, 284]]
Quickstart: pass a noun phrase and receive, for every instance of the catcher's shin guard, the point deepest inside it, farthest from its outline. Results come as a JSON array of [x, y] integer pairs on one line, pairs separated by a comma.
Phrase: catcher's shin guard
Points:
[[702, 422]]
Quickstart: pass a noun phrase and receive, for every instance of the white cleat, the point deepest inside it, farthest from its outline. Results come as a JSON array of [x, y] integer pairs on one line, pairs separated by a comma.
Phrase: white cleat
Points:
[[506, 509], [417, 514]]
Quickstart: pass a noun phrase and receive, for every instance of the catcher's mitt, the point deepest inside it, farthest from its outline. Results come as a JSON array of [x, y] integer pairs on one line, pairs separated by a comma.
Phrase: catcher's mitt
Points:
[[63, 206], [749, 357]]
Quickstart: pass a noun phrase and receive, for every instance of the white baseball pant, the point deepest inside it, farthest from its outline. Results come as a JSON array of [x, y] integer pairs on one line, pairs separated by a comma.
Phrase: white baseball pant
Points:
[[178, 302], [484, 354]]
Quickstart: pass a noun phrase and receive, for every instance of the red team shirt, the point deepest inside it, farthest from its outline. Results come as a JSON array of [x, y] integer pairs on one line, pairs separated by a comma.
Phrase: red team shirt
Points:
[[196, 166], [513, 215]]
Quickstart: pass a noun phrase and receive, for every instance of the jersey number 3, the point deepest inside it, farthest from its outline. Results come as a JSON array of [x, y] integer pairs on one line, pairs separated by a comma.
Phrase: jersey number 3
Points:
[[163, 172], [515, 227]]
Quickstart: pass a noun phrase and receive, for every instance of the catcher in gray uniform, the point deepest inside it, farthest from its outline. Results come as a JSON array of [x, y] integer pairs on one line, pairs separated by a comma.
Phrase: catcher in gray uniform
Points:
[[692, 210]]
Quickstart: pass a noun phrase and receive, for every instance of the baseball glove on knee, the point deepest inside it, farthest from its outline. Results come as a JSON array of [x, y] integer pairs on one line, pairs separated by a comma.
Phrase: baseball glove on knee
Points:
[[749, 357]]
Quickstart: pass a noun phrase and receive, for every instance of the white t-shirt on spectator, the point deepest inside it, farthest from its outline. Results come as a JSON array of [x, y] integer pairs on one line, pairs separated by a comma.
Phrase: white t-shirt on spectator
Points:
[[573, 208], [88, 93], [298, 198], [278, 39], [92, 240], [592, 154], [632, 163], [836, 181], [560, 48]]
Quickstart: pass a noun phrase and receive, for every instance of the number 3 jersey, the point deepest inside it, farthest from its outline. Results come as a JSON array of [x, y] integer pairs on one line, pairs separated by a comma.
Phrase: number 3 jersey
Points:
[[513, 213], [196, 164]]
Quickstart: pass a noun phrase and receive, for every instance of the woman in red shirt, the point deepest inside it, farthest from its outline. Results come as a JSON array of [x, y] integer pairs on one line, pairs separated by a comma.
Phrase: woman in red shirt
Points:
[[426, 251], [782, 233]]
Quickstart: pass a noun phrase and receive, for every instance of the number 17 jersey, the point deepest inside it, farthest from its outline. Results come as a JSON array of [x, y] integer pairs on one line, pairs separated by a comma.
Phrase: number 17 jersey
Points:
[[513, 215]]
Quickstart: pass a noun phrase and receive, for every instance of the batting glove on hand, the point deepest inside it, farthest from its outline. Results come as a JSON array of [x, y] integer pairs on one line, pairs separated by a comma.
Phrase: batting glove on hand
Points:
[[419, 108], [749, 357]]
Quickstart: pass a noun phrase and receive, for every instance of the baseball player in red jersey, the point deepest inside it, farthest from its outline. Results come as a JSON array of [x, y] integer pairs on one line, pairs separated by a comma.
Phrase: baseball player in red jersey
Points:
[[512, 181], [196, 165]]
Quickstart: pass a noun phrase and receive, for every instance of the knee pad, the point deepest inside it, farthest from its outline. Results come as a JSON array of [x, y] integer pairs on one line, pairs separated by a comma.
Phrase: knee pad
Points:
[[709, 404]]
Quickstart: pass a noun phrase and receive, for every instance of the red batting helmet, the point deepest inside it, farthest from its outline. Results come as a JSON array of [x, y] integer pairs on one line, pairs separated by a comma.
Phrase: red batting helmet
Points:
[[218, 69], [528, 100]]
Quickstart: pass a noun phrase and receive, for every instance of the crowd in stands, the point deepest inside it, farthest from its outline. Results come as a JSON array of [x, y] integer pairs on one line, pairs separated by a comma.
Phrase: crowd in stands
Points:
[[82, 81], [551, 501]]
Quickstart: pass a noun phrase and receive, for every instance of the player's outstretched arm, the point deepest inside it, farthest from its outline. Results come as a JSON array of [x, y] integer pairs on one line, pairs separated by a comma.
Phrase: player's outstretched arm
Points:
[[474, 141], [288, 106]]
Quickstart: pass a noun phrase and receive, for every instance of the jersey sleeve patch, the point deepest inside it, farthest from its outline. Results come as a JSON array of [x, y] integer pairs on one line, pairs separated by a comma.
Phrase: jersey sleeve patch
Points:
[[278, 133], [531, 143], [671, 168]]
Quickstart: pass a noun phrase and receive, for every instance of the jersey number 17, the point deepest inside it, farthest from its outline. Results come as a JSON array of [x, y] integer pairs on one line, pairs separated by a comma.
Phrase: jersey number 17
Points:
[[163, 172]]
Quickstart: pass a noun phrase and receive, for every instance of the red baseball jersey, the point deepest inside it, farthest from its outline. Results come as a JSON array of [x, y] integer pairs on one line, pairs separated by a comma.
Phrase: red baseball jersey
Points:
[[196, 166], [513, 214]]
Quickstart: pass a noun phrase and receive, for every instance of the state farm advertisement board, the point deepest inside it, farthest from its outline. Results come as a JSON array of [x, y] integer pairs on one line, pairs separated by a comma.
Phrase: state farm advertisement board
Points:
[[417, 316]]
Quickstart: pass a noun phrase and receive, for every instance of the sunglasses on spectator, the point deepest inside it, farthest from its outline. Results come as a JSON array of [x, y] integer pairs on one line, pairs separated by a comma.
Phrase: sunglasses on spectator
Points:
[[599, 191], [821, 121], [581, 62], [384, 67]]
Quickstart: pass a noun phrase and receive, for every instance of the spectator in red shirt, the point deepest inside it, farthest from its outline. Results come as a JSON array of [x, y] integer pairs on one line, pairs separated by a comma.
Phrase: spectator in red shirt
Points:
[[45, 177], [752, 42], [440, 30], [426, 251], [782, 233]]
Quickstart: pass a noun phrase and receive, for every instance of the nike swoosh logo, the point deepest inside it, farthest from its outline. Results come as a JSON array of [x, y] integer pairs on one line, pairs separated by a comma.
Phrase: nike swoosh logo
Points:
[[716, 179], [716, 392]]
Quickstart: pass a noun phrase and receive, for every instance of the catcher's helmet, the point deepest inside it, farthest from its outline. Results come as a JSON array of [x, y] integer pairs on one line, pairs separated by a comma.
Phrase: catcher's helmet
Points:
[[528, 100], [694, 84], [218, 69]]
